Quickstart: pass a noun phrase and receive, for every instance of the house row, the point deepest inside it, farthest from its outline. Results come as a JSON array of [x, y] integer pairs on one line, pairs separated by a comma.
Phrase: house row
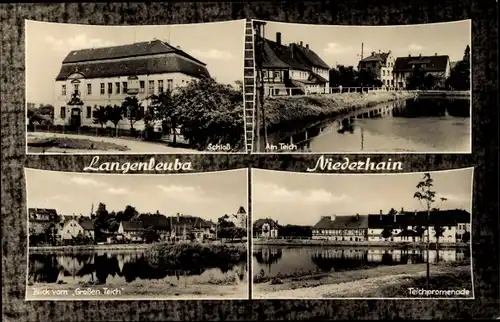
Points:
[[402, 226], [295, 68], [104, 76], [173, 228]]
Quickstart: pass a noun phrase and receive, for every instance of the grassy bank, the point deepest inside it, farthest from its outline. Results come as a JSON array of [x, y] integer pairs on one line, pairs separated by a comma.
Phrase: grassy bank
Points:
[[196, 255], [312, 242], [80, 248], [41, 144], [281, 111], [387, 282]]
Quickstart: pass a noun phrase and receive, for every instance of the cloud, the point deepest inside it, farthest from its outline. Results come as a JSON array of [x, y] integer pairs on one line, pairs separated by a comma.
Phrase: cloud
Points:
[[184, 193], [80, 41], [335, 48], [211, 54], [117, 191], [415, 47], [276, 194], [85, 181]]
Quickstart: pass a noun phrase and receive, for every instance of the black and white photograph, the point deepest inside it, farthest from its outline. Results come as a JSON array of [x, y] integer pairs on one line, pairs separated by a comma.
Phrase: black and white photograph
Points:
[[137, 237], [377, 236], [155, 89], [363, 89]]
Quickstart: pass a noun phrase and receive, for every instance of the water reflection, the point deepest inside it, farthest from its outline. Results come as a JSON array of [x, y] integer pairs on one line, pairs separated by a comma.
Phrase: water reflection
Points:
[[420, 125], [107, 267], [287, 260]]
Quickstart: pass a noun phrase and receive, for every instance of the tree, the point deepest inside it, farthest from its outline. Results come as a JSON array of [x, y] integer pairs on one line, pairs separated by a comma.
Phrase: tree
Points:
[[392, 212], [115, 115], [368, 78], [459, 78], [343, 76], [417, 79], [466, 237], [100, 115], [211, 113], [133, 110], [100, 222], [387, 233], [150, 235], [165, 107], [426, 196]]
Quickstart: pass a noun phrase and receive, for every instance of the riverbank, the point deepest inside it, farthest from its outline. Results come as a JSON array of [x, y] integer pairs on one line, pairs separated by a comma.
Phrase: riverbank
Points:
[[139, 289], [284, 110], [87, 248], [379, 282], [445, 94], [389, 244]]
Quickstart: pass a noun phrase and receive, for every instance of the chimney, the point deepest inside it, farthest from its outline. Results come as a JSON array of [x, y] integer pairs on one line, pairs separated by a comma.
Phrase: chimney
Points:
[[373, 53], [291, 49], [435, 54], [381, 214], [409, 55], [307, 46], [357, 216], [278, 38], [301, 43], [178, 215], [419, 55]]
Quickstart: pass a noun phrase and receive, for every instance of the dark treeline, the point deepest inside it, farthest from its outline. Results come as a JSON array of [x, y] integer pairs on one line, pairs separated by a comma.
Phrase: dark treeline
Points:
[[294, 231]]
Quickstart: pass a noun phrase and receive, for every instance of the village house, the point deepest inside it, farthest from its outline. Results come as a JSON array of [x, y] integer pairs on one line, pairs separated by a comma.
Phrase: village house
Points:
[[240, 219], [183, 227], [290, 69], [42, 219], [77, 227], [95, 77], [265, 228], [381, 64], [131, 231], [438, 65], [341, 228], [157, 222]]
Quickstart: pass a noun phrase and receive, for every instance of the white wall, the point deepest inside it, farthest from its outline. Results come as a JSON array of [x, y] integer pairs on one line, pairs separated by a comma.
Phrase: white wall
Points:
[[95, 98]]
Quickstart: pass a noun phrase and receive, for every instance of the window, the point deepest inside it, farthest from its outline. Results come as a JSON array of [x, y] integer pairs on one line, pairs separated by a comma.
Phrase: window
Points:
[[89, 112], [142, 86], [63, 90], [117, 85], [170, 83], [76, 88], [124, 87], [89, 89], [160, 86], [151, 87], [110, 88], [102, 88], [63, 112]]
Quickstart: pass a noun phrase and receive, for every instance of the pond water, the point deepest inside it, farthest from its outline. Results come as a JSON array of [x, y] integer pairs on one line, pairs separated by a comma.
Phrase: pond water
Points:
[[288, 260], [117, 268], [414, 125]]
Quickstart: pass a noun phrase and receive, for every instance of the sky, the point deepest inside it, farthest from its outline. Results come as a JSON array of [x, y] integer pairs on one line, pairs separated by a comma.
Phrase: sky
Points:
[[301, 199], [219, 45], [206, 195], [341, 45]]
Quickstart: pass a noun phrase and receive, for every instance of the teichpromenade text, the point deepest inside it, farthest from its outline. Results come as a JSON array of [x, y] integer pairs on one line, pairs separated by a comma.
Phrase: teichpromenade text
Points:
[[324, 163]]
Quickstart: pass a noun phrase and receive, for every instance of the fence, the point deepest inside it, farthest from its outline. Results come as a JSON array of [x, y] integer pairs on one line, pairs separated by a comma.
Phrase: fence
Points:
[[301, 91], [85, 130]]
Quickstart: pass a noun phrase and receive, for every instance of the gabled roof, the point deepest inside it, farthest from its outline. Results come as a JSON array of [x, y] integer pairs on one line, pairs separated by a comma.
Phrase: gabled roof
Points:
[[241, 210], [157, 221], [144, 48], [260, 222], [132, 225], [381, 221], [342, 222], [274, 55], [34, 212], [381, 57], [86, 223], [137, 66], [189, 221], [434, 63]]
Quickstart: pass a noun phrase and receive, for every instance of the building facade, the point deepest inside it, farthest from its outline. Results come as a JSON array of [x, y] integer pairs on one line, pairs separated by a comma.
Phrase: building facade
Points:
[[381, 64], [43, 220], [77, 227], [240, 219], [438, 66], [265, 228], [131, 231], [292, 69], [341, 228], [95, 77]]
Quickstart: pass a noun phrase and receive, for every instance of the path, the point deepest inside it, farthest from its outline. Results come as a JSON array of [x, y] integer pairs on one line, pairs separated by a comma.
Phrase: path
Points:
[[135, 146]]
